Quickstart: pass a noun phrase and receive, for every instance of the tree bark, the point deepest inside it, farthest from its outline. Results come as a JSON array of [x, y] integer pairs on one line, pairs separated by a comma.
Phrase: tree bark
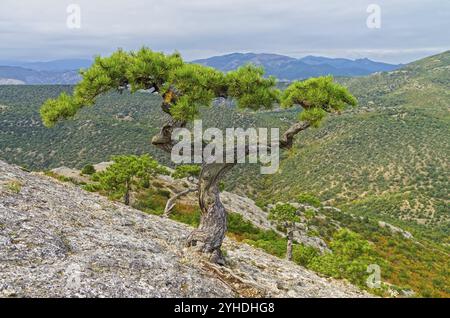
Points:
[[287, 139], [290, 241], [126, 197], [208, 237]]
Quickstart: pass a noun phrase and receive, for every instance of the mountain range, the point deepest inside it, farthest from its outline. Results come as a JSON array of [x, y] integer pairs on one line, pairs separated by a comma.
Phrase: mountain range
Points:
[[17, 75], [51, 72], [280, 66], [289, 68], [51, 66]]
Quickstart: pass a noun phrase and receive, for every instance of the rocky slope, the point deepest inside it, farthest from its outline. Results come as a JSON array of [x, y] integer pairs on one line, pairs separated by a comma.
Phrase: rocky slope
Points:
[[57, 240]]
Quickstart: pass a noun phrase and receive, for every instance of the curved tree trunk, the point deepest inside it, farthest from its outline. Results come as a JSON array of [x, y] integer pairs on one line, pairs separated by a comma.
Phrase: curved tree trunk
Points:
[[287, 139], [172, 201], [208, 237]]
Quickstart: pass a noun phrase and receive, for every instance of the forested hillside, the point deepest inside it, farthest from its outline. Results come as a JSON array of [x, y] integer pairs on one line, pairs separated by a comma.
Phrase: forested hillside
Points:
[[119, 123], [388, 158]]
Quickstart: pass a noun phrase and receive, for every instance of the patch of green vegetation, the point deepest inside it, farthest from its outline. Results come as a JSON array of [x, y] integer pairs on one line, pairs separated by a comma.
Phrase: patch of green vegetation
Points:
[[310, 199], [63, 178], [14, 186], [88, 169], [389, 158], [406, 263], [351, 255]]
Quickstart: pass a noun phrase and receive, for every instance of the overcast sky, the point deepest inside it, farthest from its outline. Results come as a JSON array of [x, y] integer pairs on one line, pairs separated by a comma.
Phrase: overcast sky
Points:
[[410, 29]]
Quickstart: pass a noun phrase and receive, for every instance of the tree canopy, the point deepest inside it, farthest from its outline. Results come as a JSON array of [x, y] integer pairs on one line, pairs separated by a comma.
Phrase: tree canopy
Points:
[[317, 96], [284, 214], [308, 198], [187, 87]]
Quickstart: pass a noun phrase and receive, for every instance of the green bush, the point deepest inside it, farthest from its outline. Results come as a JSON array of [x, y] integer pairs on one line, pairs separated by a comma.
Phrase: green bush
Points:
[[309, 199], [14, 186], [88, 169], [350, 257], [304, 255], [238, 225], [274, 247]]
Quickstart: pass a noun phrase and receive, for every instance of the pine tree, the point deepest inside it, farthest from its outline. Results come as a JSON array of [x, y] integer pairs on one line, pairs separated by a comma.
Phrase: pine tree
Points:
[[88, 169], [185, 88], [285, 216], [126, 171]]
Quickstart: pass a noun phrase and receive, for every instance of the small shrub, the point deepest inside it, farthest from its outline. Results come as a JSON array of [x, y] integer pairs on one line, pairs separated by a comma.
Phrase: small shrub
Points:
[[304, 255], [309, 199], [14, 186], [350, 258], [88, 170], [309, 214], [238, 225], [163, 192], [91, 187]]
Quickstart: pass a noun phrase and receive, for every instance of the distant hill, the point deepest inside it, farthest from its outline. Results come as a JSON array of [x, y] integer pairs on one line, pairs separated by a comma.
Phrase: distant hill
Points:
[[288, 68], [51, 66], [58, 65], [8, 81], [51, 72], [21, 75]]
